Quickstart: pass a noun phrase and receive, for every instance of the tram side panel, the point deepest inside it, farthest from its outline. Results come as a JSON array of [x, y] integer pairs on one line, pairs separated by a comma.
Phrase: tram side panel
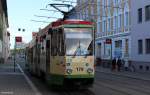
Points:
[[57, 62], [43, 59]]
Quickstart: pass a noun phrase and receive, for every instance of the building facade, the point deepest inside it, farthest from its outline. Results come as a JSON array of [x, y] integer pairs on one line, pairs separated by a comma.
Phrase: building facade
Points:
[[140, 44], [4, 34], [113, 29], [86, 10]]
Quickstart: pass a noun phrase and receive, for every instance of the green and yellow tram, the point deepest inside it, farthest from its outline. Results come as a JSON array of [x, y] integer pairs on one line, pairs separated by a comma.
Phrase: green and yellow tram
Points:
[[63, 53]]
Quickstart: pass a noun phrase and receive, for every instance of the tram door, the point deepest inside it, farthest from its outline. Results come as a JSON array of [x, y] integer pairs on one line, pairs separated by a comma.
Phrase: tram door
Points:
[[31, 60], [38, 59], [48, 56]]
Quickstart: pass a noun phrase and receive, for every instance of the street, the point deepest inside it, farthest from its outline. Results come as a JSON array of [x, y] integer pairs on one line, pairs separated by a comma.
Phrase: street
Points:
[[21, 82], [108, 84]]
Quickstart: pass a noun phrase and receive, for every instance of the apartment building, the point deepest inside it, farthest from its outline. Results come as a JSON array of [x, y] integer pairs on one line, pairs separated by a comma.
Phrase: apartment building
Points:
[[4, 34], [140, 27], [113, 29]]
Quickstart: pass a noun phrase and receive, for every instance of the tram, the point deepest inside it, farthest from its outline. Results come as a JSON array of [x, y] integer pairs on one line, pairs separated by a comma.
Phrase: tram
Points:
[[63, 53]]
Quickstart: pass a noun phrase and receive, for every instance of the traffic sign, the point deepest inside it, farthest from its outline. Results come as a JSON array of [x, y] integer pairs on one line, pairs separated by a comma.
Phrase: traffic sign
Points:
[[18, 39]]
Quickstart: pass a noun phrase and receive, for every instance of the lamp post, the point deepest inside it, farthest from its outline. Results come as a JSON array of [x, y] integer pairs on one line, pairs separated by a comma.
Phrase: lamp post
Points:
[[18, 39], [15, 55]]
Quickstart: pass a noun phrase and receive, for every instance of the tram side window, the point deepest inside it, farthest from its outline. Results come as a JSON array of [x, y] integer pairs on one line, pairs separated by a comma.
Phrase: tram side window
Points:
[[54, 45], [59, 42], [51, 43], [61, 45], [90, 48]]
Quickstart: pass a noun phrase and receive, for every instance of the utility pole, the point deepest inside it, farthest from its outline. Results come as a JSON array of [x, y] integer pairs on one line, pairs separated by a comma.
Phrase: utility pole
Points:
[[18, 39], [15, 56]]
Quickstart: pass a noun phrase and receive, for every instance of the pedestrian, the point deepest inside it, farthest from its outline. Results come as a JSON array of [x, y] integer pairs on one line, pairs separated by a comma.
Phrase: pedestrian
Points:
[[119, 63], [126, 65], [131, 66], [113, 64]]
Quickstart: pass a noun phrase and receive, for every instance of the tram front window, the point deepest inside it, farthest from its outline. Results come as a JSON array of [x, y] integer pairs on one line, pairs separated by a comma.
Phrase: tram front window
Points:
[[79, 43]]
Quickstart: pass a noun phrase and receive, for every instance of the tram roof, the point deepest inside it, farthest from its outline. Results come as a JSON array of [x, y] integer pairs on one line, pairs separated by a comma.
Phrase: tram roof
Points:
[[70, 22], [64, 22]]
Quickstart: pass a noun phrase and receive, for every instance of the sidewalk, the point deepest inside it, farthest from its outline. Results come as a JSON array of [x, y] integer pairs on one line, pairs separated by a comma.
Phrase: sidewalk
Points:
[[15, 83], [135, 75]]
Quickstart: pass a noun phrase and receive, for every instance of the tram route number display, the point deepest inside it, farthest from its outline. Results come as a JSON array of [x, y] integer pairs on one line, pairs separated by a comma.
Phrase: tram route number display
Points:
[[79, 69]]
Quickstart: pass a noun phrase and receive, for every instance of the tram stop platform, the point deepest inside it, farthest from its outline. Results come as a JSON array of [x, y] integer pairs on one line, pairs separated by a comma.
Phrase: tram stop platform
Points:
[[15, 83]]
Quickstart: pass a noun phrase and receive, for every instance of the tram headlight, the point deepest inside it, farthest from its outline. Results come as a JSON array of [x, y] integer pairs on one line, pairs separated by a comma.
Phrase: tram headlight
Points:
[[68, 64], [69, 71], [87, 64], [89, 70]]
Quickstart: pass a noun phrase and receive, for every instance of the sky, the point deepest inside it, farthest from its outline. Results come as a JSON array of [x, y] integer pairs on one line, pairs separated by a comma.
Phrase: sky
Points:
[[22, 12]]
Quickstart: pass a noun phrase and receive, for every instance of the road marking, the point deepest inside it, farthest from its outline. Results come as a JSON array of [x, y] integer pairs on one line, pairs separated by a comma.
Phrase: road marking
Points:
[[7, 93], [29, 81], [7, 73]]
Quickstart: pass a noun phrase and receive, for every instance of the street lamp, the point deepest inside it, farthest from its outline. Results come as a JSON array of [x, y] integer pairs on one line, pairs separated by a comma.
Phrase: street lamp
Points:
[[17, 39]]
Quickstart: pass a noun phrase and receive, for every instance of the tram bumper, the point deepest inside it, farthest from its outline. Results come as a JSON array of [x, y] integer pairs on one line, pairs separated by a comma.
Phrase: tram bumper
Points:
[[79, 80]]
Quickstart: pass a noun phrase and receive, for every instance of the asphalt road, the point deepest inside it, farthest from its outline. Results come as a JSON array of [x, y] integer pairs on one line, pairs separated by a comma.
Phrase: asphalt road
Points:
[[105, 84], [108, 84]]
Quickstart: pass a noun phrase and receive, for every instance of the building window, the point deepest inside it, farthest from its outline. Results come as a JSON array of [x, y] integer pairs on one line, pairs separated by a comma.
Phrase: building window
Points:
[[147, 13], [109, 25], [98, 27], [140, 15], [115, 22], [118, 44], [120, 20], [118, 48], [147, 46], [104, 26], [140, 46], [127, 18], [126, 47]]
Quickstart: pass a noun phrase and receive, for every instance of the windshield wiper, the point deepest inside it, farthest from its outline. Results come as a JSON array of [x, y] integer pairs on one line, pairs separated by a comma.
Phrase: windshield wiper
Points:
[[88, 49], [78, 49]]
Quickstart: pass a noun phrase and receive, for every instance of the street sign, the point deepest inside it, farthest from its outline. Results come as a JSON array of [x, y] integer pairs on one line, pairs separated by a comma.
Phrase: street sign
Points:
[[108, 41], [18, 39]]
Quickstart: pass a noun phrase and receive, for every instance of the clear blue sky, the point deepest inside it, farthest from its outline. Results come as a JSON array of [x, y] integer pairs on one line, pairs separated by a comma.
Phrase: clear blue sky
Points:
[[21, 12]]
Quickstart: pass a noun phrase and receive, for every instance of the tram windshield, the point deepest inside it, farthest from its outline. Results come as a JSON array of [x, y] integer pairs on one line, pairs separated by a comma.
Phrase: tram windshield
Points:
[[79, 41]]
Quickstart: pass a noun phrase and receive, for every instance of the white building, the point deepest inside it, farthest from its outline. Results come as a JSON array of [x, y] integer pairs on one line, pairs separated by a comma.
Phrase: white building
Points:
[[140, 17], [4, 34], [113, 29]]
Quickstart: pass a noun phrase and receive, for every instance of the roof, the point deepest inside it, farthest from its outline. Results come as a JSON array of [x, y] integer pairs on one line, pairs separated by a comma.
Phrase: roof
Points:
[[70, 22]]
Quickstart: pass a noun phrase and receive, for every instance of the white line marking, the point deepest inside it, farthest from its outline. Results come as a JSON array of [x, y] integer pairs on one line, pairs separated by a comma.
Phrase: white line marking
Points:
[[7, 93], [7, 73], [29, 81]]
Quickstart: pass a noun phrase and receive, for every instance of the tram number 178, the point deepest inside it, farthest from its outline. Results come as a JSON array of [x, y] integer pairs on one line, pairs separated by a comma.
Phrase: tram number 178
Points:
[[79, 69]]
